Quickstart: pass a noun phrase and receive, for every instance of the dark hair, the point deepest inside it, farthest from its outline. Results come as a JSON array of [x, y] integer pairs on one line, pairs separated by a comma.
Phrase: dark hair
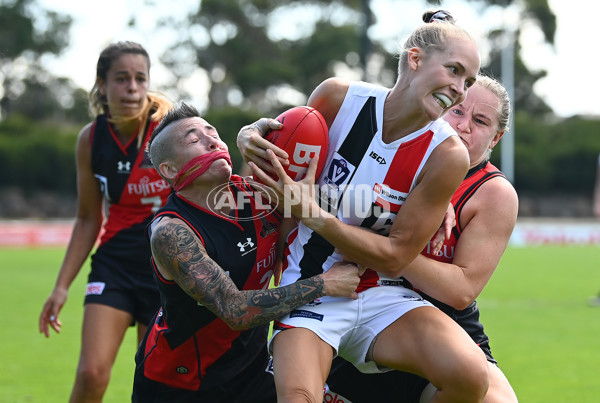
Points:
[[440, 15], [105, 60], [180, 110], [160, 147]]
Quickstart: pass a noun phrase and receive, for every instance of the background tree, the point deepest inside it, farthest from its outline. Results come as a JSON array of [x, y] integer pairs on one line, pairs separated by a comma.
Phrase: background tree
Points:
[[27, 34], [529, 11], [259, 61]]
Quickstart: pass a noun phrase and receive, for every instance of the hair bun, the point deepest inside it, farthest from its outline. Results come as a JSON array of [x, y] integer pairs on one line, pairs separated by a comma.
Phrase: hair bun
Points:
[[438, 16]]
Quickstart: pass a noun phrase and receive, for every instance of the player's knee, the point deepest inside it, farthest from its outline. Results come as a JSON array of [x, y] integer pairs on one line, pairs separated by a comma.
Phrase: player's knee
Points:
[[93, 378], [472, 378], [500, 390], [500, 396]]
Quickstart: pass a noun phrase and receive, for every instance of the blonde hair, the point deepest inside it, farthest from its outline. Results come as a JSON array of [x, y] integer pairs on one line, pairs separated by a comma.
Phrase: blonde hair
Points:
[[434, 34], [496, 88], [504, 107]]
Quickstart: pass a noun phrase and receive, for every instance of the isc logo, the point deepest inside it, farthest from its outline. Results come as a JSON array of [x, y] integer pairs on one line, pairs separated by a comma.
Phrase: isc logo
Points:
[[377, 158], [301, 156]]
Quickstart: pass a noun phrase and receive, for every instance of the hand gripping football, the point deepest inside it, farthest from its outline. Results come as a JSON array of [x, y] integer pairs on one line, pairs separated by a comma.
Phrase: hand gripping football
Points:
[[303, 136]]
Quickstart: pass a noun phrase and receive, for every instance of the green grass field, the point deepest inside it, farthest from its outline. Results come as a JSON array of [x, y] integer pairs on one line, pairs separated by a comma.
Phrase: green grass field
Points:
[[544, 335]]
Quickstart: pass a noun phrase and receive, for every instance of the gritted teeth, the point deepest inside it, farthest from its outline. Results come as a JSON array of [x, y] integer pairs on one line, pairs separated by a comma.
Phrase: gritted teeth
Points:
[[443, 100]]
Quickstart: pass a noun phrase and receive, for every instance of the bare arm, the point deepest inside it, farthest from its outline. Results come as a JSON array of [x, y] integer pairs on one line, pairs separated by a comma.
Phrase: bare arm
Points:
[[421, 214], [488, 220], [416, 222], [181, 256], [89, 213], [85, 232]]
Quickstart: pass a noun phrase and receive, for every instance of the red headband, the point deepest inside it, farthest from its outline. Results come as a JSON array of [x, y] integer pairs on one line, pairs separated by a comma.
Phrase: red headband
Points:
[[197, 166]]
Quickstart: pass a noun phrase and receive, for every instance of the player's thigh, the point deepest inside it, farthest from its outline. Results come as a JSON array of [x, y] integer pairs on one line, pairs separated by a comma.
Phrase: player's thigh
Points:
[[427, 342], [301, 361], [103, 330], [500, 390]]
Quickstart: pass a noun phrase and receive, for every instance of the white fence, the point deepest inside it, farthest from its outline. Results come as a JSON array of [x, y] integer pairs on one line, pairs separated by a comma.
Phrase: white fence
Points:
[[529, 232]]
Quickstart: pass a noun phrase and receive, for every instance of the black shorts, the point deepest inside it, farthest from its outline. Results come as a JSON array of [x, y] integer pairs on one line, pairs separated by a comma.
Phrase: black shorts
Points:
[[346, 383], [254, 384], [124, 284]]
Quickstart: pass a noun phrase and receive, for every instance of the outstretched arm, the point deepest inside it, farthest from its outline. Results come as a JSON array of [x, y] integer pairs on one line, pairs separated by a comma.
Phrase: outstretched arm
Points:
[[180, 256]]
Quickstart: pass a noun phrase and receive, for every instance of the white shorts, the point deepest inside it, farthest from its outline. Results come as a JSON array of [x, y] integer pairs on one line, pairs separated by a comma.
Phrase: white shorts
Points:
[[350, 326]]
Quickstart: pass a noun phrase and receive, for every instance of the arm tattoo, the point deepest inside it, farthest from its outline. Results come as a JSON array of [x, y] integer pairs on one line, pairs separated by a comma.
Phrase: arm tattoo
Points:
[[179, 252]]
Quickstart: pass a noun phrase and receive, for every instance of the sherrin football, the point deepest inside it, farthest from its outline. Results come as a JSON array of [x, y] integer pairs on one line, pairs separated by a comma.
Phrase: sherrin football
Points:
[[303, 136]]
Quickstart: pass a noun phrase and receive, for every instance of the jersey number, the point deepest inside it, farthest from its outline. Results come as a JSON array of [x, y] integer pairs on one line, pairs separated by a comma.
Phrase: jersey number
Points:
[[156, 201]]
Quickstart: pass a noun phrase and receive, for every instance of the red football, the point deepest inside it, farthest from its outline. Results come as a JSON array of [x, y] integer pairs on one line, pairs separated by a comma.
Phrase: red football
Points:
[[303, 136]]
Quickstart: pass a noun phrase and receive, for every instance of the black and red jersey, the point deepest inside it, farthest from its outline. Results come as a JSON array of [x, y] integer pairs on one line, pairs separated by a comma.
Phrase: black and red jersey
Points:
[[133, 191], [187, 346], [132, 188]]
